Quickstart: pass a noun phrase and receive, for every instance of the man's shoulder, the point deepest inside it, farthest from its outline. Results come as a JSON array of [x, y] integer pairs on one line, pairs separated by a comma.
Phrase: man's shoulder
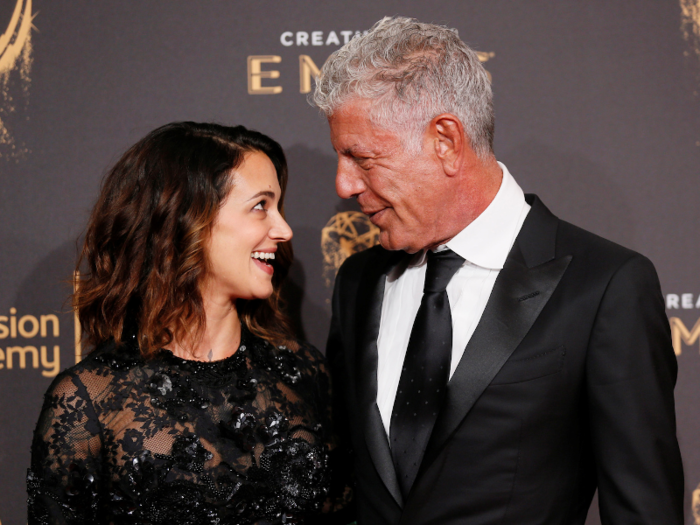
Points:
[[574, 240], [588, 245]]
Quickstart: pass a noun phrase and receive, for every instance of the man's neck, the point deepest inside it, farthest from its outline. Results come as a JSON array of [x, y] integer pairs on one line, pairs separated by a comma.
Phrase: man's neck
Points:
[[478, 185]]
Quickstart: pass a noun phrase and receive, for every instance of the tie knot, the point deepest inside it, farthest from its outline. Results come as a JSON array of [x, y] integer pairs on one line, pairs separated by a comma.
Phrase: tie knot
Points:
[[441, 267]]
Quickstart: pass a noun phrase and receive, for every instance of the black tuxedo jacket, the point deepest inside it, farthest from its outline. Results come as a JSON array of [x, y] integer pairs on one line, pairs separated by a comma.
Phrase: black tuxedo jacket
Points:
[[565, 386]]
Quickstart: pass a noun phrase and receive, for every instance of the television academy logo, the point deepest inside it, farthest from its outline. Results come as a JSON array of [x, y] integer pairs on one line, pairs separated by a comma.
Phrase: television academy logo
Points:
[[27, 340], [682, 335], [346, 233], [261, 71], [690, 24], [318, 38], [15, 54], [15, 42]]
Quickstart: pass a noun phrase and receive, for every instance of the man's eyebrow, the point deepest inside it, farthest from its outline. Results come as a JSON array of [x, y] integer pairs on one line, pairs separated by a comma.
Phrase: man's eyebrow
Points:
[[354, 151], [264, 193]]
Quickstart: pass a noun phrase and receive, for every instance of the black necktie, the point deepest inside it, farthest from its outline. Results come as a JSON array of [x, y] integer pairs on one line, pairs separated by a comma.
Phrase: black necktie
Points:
[[426, 370]]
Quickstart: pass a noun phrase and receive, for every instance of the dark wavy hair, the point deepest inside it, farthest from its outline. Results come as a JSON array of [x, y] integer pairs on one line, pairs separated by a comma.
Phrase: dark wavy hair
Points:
[[144, 254]]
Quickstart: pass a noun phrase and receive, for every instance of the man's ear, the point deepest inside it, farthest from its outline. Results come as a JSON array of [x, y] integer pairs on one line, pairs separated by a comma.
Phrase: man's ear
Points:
[[449, 141]]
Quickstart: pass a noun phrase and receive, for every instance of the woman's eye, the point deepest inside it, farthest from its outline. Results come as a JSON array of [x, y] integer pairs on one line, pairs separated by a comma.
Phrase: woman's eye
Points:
[[260, 206]]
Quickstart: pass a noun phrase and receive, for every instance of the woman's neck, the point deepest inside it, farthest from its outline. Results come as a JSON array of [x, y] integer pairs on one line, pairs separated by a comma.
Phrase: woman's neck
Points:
[[221, 337]]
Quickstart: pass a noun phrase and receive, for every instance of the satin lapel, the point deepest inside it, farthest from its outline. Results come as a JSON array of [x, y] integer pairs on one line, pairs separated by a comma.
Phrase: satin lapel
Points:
[[369, 309], [519, 295]]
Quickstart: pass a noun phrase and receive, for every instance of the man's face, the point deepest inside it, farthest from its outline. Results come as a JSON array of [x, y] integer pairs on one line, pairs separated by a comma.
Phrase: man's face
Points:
[[400, 191]]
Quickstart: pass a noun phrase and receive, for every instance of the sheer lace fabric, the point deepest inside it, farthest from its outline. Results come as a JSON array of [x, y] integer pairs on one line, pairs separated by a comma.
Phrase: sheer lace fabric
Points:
[[243, 441]]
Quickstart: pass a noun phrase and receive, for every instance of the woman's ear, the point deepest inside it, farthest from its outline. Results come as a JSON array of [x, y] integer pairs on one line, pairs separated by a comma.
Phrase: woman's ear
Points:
[[449, 140]]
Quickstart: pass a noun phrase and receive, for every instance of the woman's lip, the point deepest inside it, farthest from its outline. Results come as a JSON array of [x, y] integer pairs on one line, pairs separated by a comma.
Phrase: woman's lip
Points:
[[267, 268]]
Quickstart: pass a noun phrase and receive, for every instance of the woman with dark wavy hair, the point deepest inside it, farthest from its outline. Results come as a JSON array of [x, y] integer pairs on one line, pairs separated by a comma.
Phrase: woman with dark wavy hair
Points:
[[197, 404]]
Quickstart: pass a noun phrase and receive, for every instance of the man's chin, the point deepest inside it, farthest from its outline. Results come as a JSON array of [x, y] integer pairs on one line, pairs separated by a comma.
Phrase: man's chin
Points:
[[395, 243]]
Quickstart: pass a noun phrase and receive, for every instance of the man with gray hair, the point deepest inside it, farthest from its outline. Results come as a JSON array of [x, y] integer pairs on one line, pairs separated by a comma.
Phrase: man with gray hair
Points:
[[492, 363]]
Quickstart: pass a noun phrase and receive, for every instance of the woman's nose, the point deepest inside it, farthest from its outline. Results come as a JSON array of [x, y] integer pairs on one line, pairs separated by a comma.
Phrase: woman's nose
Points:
[[281, 231]]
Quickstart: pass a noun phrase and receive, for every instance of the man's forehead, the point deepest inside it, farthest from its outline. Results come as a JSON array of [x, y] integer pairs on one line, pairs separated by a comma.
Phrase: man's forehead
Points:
[[355, 104], [355, 111], [366, 141], [355, 124]]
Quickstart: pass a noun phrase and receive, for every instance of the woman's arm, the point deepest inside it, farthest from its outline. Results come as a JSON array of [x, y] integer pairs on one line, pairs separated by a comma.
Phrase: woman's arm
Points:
[[64, 481]]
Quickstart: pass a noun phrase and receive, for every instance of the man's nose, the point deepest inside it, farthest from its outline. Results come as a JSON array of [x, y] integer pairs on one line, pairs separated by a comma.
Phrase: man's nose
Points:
[[348, 182]]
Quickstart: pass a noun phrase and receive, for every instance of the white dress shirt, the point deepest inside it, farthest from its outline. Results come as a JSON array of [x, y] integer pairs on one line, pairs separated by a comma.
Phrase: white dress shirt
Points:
[[484, 244]]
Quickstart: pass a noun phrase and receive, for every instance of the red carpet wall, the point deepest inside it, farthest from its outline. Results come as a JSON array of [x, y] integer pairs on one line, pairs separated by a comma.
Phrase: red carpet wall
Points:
[[597, 111]]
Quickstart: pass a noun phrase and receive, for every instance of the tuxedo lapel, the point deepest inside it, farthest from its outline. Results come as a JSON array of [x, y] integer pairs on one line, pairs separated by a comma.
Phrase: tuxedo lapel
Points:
[[369, 309], [529, 276]]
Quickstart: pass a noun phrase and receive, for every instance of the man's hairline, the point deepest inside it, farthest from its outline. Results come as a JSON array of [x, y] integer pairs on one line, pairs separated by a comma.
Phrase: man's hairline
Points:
[[404, 135]]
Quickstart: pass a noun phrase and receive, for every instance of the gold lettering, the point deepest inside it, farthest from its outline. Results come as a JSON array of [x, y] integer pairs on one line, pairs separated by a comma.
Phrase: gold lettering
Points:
[[680, 334], [78, 337], [695, 505], [256, 74], [22, 326], [22, 352], [2, 358], [307, 68], [54, 322], [485, 56], [52, 367], [4, 331], [13, 322]]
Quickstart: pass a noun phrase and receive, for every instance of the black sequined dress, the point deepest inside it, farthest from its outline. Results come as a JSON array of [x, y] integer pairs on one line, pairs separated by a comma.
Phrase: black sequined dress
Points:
[[241, 441]]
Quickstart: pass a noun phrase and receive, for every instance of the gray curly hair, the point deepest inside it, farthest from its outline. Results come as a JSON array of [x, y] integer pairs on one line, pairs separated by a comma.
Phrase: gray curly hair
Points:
[[413, 72]]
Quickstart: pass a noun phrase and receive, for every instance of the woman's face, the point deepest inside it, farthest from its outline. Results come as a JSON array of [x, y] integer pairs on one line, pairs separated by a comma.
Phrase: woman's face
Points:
[[245, 234]]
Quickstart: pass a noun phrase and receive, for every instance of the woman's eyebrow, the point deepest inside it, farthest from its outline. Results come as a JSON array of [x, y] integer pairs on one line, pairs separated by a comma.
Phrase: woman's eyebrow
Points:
[[264, 193]]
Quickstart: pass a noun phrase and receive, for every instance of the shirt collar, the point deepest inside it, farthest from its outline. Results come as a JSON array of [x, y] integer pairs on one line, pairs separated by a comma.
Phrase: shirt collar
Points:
[[487, 241]]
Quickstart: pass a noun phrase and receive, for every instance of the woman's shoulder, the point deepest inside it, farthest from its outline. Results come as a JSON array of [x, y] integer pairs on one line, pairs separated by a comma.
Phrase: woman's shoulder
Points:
[[114, 357], [97, 369]]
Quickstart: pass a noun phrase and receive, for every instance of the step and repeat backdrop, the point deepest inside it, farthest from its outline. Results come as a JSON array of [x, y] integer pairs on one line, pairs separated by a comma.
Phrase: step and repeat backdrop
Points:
[[597, 111]]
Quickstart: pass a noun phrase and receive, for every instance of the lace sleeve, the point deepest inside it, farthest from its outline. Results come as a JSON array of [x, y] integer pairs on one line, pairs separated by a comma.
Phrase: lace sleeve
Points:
[[64, 478]]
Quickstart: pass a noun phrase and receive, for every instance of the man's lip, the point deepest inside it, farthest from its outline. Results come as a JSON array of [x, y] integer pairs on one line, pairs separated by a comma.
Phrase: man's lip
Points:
[[373, 215]]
